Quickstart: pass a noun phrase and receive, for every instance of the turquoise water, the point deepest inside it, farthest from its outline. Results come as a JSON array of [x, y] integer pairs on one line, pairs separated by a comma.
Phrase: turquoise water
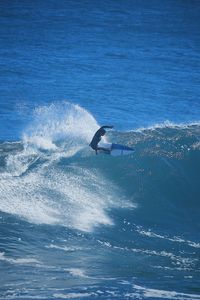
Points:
[[75, 225]]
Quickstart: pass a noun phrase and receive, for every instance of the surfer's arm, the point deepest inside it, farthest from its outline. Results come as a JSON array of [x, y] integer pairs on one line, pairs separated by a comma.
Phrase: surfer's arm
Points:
[[106, 126]]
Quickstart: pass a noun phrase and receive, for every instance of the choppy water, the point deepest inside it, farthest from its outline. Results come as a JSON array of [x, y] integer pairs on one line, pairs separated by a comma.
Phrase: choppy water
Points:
[[75, 225]]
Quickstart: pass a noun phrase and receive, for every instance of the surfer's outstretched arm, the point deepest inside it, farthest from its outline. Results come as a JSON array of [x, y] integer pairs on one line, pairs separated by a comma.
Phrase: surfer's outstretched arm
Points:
[[106, 126]]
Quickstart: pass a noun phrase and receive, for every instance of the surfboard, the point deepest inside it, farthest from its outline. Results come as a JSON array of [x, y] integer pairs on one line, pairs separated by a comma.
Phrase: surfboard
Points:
[[116, 149]]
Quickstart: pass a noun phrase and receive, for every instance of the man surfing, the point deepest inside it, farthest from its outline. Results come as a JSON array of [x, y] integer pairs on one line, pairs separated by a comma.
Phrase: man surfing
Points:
[[96, 139]]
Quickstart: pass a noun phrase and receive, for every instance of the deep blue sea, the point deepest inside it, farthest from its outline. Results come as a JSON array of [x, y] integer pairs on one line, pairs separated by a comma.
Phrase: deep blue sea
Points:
[[75, 225]]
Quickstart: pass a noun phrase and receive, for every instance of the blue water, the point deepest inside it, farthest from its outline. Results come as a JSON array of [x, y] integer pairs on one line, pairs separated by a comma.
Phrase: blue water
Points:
[[75, 225]]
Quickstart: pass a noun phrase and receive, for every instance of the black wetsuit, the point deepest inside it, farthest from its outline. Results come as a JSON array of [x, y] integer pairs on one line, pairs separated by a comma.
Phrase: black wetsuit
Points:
[[97, 137]]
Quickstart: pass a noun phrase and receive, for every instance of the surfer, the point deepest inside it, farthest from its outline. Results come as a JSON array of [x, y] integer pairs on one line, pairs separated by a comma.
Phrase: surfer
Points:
[[97, 137]]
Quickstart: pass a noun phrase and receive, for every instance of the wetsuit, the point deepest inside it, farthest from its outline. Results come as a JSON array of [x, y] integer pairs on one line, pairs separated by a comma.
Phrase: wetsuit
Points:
[[97, 137]]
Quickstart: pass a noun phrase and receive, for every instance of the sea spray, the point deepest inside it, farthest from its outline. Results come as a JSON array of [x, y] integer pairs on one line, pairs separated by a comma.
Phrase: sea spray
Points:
[[60, 122]]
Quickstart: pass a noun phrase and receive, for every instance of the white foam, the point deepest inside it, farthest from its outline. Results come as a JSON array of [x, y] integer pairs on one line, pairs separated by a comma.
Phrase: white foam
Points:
[[77, 272], [20, 261], [151, 234], [196, 146], [178, 262], [21, 196], [181, 263], [167, 124], [69, 195], [18, 164], [63, 248], [162, 294], [72, 196], [72, 295]]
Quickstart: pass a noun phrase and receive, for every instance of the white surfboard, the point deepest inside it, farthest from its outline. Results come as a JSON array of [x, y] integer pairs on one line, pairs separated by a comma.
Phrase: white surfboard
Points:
[[116, 149]]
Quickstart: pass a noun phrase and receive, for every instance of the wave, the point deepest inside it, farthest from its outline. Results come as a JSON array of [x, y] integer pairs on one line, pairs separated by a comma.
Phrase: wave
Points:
[[52, 177], [45, 182]]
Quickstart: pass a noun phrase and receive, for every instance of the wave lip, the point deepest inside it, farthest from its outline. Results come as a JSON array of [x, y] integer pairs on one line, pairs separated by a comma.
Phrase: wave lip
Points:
[[168, 124]]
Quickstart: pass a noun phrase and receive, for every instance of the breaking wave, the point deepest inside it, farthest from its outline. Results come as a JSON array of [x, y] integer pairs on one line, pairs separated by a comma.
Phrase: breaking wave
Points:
[[52, 176]]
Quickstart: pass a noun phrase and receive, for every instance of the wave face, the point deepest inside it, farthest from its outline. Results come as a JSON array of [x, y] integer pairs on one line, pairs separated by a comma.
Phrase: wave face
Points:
[[90, 226]]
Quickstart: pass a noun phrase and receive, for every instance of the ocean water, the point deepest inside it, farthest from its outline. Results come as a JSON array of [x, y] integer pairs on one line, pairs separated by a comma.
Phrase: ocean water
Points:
[[75, 225]]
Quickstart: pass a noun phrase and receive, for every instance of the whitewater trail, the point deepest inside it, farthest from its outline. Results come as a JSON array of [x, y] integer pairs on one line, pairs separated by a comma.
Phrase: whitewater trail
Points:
[[36, 187]]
